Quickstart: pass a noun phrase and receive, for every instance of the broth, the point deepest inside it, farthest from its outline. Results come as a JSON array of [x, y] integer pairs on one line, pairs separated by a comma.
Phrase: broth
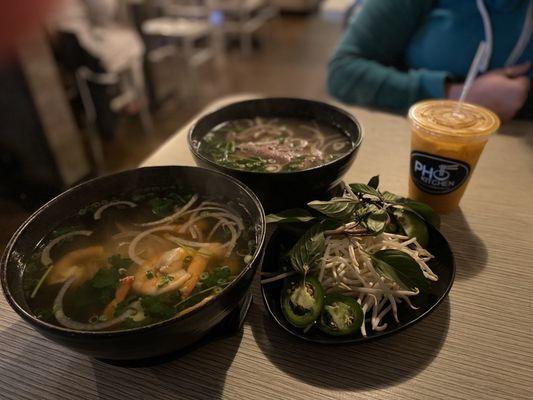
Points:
[[273, 145], [126, 263]]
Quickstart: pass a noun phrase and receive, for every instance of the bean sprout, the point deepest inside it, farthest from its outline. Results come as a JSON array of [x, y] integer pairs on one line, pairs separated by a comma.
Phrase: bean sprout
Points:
[[347, 269]]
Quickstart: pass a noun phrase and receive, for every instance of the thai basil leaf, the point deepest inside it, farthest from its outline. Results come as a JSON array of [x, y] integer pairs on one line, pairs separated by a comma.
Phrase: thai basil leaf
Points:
[[288, 216], [308, 249], [374, 182], [391, 197], [401, 268], [377, 221], [423, 210], [362, 212], [361, 188], [339, 208]]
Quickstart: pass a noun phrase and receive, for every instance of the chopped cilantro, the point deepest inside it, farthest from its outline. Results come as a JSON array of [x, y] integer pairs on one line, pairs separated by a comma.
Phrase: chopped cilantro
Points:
[[105, 278], [101, 288], [45, 314], [165, 280], [155, 308], [161, 206], [220, 276], [171, 297], [117, 261], [165, 205]]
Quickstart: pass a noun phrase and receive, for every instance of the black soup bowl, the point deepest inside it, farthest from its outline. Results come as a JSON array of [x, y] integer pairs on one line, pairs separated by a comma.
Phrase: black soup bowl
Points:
[[151, 340], [281, 190]]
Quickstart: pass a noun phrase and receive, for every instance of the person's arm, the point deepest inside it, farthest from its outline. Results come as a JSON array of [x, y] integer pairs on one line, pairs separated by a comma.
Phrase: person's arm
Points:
[[364, 69]]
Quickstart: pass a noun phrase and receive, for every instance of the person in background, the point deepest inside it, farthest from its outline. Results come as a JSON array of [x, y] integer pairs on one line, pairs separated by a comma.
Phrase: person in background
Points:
[[397, 52], [91, 38], [94, 22]]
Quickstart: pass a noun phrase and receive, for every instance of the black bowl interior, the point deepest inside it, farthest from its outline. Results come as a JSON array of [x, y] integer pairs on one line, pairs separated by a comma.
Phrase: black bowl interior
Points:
[[280, 108], [443, 265], [189, 179]]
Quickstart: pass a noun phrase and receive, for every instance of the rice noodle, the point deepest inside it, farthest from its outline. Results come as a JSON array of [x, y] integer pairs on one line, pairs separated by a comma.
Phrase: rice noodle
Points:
[[131, 249], [98, 213], [80, 326], [216, 215], [189, 243], [125, 234], [45, 255]]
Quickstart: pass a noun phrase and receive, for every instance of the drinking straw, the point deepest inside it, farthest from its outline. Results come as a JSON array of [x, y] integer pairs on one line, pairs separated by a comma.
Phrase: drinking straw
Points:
[[472, 73]]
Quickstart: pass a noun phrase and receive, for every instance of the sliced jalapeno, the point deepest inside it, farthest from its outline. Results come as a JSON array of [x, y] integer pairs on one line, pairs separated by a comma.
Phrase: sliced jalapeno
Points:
[[342, 315], [302, 300], [413, 226]]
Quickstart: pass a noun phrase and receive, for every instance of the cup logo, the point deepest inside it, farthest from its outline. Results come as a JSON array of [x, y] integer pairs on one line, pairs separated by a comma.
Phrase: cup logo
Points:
[[437, 175]]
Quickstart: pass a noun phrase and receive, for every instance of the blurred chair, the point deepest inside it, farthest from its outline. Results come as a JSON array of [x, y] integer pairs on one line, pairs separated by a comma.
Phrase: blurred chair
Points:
[[88, 72], [186, 31], [242, 18]]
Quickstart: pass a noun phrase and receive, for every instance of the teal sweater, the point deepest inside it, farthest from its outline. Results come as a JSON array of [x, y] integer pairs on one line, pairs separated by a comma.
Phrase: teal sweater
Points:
[[397, 52]]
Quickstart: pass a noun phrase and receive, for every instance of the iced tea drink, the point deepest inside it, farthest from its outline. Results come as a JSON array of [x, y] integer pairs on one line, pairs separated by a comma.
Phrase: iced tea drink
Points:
[[445, 146]]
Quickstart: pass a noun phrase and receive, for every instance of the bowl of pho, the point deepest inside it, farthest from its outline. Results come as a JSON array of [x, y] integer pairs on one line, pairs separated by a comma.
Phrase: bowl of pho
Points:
[[288, 151], [136, 264]]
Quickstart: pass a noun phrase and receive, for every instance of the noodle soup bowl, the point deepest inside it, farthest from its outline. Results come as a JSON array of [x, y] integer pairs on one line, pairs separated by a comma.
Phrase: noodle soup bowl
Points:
[[284, 189], [162, 337]]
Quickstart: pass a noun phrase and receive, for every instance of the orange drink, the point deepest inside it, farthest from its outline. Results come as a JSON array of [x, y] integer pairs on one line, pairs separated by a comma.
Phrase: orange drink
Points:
[[445, 146]]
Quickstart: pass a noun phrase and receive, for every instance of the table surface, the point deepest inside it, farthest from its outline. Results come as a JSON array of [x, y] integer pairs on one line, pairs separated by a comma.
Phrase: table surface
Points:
[[477, 344]]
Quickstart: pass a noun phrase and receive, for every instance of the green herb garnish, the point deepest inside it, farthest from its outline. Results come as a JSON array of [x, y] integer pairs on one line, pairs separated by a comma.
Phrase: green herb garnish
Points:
[[117, 261], [155, 308], [165, 280]]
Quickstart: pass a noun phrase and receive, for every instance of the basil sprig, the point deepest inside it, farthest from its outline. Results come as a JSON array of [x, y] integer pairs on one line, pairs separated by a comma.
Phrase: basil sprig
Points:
[[401, 268], [309, 249], [373, 212]]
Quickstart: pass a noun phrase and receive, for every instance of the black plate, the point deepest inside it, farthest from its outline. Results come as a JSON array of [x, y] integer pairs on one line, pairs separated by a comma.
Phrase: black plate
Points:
[[443, 265]]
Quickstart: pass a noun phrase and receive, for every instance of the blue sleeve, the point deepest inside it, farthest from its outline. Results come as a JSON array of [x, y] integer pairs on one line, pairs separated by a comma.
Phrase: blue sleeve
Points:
[[366, 66]]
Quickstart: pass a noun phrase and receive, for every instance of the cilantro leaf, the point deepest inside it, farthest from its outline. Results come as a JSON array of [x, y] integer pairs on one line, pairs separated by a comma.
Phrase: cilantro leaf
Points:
[[106, 278], [155, 308], [117, 261]]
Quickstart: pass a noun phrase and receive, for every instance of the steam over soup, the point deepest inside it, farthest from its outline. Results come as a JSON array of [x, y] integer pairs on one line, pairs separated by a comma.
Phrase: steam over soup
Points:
[[273, 145], [127, 263]]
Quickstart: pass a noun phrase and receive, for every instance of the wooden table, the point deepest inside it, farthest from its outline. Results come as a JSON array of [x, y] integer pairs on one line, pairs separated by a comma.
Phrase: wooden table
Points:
[[477, 345]]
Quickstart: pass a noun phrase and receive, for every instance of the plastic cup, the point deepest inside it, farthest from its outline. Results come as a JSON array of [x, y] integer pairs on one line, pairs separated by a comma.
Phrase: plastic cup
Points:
[[446, 142]]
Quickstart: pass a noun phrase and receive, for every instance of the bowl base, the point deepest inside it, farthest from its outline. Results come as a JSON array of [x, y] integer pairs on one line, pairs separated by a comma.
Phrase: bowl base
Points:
[[229, 326]]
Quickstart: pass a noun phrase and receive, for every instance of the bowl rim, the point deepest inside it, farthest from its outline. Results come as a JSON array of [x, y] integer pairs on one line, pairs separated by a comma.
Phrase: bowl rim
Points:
[[355, 143], [108, 334]]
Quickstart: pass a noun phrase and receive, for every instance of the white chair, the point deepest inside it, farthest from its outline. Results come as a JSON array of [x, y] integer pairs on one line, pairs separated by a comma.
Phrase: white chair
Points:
[[242, 18], [187, 30], [86, 69], [127, 94]]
